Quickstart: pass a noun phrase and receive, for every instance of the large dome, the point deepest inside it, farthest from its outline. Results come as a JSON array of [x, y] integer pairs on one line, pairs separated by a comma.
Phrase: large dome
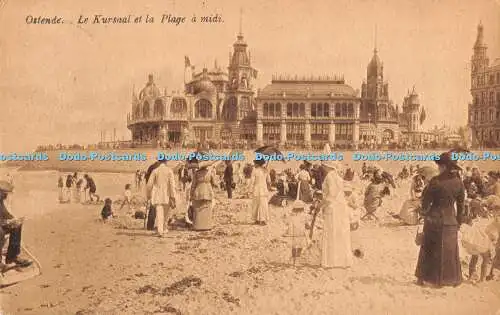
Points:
[[203, 85]]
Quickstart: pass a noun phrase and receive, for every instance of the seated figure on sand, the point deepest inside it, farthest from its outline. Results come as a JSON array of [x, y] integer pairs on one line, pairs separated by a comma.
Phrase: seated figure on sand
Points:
[[410, 210], [13, 227], [107, 210], [373, 196]]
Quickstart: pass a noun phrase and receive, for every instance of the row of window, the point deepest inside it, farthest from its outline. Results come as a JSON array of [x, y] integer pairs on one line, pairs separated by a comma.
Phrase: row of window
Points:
[[481, 80], [485, 135], [483, 116], [319, 131], [485, 98], [316, 110]]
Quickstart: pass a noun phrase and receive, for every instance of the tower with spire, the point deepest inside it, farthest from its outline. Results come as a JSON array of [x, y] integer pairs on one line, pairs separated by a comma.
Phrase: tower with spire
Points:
[[479, 60], [484, 110], [377, 110], [240, 94]]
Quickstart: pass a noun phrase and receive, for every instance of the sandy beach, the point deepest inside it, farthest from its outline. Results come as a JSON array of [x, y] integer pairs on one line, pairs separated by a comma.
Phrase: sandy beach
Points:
[[237, 268]]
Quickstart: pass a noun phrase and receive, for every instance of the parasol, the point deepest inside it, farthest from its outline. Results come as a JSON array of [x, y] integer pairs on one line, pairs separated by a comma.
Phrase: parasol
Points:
[[428, 172]]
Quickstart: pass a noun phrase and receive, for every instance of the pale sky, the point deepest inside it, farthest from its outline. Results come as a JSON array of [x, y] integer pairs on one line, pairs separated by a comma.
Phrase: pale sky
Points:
[[64, 83]]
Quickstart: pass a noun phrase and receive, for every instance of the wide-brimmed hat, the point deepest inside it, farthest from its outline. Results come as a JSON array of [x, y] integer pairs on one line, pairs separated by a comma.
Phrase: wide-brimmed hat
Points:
[[6, 186], [446, 160]]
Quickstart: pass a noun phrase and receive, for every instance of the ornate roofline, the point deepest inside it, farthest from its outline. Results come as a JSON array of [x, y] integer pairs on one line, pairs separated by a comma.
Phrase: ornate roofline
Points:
[[333, 79]]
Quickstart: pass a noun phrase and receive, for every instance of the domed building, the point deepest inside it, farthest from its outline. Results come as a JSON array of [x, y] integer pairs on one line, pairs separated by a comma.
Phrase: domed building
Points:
[[411, 120], [220, 105], [215, 106]]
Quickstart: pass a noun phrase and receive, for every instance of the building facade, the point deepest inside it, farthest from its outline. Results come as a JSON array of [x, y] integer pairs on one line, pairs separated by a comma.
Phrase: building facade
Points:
[[307, 112], [411, 120], [216, 105], [221, 106], [484, 111]]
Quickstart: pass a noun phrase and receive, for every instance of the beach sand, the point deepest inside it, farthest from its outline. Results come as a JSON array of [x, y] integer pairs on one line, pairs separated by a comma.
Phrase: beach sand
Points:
[[237, 268]]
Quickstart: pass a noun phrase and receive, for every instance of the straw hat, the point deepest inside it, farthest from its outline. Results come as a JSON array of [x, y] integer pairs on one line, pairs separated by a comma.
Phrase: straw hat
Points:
[[6, 186]]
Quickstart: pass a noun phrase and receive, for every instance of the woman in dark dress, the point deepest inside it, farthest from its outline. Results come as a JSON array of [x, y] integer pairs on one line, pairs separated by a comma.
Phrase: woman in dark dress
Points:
[[443, 212]]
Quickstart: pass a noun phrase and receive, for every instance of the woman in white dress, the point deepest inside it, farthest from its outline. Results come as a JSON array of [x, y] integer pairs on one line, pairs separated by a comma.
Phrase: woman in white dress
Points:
[[259, 184], [336, 244]]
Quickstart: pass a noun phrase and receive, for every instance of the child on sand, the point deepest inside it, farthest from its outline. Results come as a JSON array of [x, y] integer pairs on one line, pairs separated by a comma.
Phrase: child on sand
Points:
[[353, 204], [107, 211], [60, 186], [127, 196], [296, 228], [478, 242]]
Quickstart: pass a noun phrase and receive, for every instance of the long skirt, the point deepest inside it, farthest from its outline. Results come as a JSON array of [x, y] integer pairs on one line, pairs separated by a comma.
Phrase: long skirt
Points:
[[305, 193], [336, 244], [439, 260], [260, 208], [202, 215]]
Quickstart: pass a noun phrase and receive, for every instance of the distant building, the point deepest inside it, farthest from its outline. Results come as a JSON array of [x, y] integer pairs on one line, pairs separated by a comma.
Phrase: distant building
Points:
[[216, 105], [411, 120], [484, 111], [307, 112], [220, 105]]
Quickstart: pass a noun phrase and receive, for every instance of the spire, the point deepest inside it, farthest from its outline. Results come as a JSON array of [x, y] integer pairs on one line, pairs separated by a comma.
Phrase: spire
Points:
[[216, 64], [480, 36], [241, 23], [375, 44]]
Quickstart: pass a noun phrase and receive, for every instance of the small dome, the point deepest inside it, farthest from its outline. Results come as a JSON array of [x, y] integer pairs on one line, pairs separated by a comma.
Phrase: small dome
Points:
[[150, 90], [413, 98], [204, 84]]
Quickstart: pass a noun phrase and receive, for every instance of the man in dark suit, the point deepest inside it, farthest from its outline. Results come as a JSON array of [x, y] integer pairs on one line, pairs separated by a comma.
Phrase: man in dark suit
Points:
[[228, 179], [10, 225]]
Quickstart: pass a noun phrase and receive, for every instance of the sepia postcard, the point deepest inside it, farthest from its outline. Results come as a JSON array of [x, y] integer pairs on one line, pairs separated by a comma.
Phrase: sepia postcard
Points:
[[250, 157]]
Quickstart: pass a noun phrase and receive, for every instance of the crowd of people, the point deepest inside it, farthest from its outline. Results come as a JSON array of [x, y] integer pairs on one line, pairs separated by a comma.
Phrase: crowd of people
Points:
[[75, 189], [443, 201], [327, 196]]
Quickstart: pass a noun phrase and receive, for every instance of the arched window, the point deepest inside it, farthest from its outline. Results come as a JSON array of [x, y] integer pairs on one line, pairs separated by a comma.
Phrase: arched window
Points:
[[244, 106], [229, 112], [326, 110], [159, 109], [178, 105], [387, 135], [277, 110], [337, 110], [350, 110], [265, 110], [203, 109], [344, 110], [145, 110], [137, 111]]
